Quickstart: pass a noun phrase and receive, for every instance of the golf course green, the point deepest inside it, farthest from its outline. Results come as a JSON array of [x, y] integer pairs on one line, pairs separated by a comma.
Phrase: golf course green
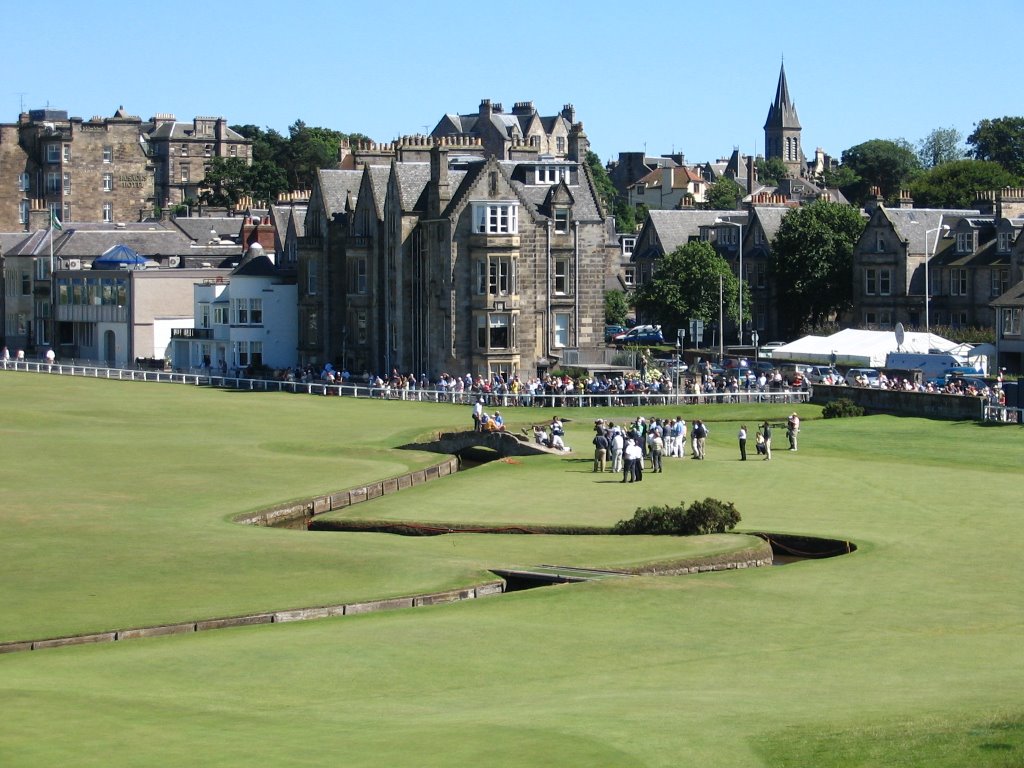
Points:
[[118, 500]]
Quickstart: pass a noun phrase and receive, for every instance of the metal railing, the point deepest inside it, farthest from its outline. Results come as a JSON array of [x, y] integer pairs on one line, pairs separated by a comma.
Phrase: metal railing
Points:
[[502, 400]]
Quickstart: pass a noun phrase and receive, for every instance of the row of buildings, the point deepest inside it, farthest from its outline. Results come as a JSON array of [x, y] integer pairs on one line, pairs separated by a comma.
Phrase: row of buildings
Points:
[[482, 247]]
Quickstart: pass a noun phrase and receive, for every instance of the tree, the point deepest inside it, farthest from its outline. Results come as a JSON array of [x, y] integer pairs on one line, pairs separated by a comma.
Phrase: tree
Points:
[[611, 199], [771, 171], [956, 184], [888, 165], [685, 286], [723, 195], [231, 178], [616, 308], [1000, 140], [943, 145], [226, 181], [310, 149], [812, 262]]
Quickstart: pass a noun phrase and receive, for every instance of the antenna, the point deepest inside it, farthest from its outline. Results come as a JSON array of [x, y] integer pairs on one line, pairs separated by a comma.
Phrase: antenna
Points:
[[21, 100]]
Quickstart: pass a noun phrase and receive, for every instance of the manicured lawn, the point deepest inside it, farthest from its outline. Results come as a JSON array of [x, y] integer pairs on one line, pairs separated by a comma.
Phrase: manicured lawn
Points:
[[116, 499]]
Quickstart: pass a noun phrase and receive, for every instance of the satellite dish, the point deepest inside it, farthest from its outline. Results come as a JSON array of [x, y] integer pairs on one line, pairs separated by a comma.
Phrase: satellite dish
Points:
[[900, 335]]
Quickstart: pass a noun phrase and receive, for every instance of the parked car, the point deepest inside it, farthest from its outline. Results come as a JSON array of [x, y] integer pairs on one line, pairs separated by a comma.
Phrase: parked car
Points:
[[829, 374], [611, 331], [856, 377], [641, 334]]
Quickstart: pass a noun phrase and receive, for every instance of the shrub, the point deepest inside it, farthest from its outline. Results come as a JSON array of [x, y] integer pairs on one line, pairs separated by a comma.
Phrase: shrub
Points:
[[841, 408], [708, 516]]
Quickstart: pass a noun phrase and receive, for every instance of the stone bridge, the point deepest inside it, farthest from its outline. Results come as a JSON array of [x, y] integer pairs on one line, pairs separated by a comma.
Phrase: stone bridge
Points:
[[503, 443]]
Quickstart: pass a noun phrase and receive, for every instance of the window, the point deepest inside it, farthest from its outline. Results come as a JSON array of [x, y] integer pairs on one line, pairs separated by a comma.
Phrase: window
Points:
[[958, 281], [53, 153], [67, 213], [640, 189], [1011, 321], [935, 283], [1000, 280], [207, 151], [23, 208], [184, 150], [562, 220], [629, 276], [1005, 242], [361, 326], [496, 218], [885, 320], [551, 174], [26, 283], [311, 277], [108, 212], [562, 329], [495, 276], [249, 353], [360, 281], [958, 319], [204, 315], [108, 182], [560, 143], [884, 282], [728, 235], [108, 154], [561, 276], [870, 319], [24, 182], [67, 183], [233, 151], [495, 331], [964, 242], [220, 314], [184, 173], [879, 242], [628, 244], [761, 275], [53, 182], [247, 311], [870, 282]]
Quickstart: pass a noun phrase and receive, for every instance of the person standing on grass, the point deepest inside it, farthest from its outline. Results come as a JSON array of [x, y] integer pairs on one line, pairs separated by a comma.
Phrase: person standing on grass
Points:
[[793, 430], [478, 413], [743, 442], [657, 448], [600, 450], [618, 444], [766, 433]]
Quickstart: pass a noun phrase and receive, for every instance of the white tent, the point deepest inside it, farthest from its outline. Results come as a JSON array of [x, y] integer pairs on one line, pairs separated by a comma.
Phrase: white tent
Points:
[[859, 349]]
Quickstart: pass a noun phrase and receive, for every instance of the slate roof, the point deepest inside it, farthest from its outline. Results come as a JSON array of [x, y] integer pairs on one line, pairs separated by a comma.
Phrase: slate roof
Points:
[[585, 207], [412, 179], [911, 224], [198, 227], [676, 228], [258, 266], [336, 186], [178, 131], [1012, 298]]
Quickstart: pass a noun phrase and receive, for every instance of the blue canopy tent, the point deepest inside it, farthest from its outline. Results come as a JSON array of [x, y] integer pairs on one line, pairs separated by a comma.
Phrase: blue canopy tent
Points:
[[122, 257]]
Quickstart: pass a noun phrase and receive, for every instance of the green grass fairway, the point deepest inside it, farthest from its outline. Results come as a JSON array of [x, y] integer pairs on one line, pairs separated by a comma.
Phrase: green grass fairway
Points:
[[117, 501]]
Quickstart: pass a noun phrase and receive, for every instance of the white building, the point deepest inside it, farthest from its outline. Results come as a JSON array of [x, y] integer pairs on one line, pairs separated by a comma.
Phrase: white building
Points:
[[245, 320]]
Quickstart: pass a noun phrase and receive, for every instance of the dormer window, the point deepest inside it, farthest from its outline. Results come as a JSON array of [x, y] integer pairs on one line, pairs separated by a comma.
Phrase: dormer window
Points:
[[964, 242], [1005, 242], [561, 220], [628, 244], [550, 174]]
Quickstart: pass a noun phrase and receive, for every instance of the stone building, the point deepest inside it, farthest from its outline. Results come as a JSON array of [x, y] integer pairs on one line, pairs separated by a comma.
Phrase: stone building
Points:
[[84, 170], [502, 133], [782, 130], [182, 152], [460, 264]]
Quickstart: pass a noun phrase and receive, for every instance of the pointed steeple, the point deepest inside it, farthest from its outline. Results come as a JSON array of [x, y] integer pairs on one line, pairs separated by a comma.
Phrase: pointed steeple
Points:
[[782, 113]]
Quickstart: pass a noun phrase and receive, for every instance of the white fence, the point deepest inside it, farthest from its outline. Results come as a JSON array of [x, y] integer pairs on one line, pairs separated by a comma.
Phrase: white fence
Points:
[[555, 400]]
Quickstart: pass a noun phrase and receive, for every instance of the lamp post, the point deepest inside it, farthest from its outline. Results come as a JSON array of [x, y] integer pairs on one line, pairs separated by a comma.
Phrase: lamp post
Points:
[[740, 241], [927, 287]]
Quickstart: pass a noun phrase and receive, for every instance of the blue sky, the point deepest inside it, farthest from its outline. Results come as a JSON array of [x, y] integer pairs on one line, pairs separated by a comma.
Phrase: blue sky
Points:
[[657, 76]]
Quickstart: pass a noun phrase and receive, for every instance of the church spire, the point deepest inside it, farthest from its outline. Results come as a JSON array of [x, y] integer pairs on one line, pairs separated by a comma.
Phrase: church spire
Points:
[[782, 129], [782, 113]]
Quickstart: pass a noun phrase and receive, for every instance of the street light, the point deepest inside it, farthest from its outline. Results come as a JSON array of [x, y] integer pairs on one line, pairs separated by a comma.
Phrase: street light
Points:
[[927, 287], [740, 226]]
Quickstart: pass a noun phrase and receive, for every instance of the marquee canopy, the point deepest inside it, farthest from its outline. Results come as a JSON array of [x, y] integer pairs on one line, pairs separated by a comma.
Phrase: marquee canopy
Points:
[[860, 349]]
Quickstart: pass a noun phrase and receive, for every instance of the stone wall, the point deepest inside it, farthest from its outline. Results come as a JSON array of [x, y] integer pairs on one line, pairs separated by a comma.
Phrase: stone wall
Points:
[[926, 404], [318, 505]]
